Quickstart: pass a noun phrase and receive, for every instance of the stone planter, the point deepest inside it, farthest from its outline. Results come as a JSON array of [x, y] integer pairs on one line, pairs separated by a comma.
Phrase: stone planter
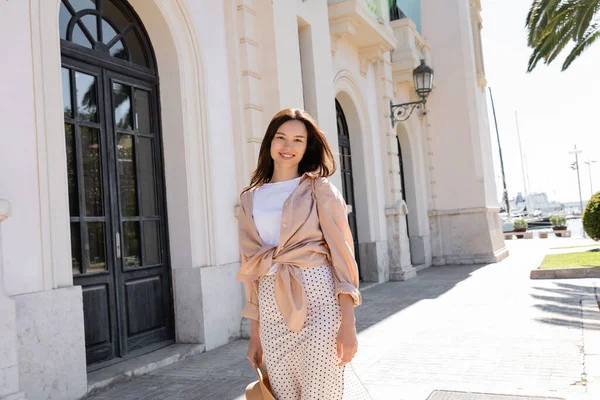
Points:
[[559, 228], [520, 230]]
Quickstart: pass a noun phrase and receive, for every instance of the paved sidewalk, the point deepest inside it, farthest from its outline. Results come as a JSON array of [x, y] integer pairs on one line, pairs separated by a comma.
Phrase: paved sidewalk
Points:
[[470, 328]]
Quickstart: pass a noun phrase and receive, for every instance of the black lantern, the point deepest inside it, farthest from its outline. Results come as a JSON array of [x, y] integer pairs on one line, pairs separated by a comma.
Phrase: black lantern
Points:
[[423, 80]]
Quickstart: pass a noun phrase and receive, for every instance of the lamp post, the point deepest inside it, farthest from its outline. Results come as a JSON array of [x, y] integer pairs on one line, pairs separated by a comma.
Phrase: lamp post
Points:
[[575, 166], [589, 164], [423, 80]]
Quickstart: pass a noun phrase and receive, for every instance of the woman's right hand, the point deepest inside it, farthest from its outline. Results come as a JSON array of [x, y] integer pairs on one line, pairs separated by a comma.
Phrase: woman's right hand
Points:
[[255, 351]]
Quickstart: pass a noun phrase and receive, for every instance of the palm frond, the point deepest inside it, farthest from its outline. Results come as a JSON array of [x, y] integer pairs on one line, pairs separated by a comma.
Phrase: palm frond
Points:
[[540, 15], [586, 10], [581, 46], [564, 38], [553, 24]]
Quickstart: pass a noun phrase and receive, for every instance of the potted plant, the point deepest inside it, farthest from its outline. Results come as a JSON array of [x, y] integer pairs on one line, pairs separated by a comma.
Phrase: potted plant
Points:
[[559, 223], [520, 225]]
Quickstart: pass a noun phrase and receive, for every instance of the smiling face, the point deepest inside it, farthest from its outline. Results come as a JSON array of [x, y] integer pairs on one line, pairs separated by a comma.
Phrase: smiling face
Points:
[[289, 145]]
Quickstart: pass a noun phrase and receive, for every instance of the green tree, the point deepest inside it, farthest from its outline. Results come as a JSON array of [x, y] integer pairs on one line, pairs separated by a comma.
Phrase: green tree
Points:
[[554, 24]]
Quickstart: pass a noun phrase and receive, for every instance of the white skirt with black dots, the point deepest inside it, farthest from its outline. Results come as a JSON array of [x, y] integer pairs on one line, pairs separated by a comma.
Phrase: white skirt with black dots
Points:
[[303, 365]]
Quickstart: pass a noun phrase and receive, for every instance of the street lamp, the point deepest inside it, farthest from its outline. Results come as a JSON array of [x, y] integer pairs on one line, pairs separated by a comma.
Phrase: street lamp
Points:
[[575, 166], [423, 80], [589, 164]]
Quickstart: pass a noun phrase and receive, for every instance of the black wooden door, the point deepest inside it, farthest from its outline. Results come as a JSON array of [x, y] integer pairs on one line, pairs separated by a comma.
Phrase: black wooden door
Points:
[[347, 177], [115, 176], [141, 273]]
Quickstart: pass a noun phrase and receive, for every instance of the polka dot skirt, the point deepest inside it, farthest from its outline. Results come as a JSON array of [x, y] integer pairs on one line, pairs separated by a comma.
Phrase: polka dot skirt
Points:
[[303, 365]]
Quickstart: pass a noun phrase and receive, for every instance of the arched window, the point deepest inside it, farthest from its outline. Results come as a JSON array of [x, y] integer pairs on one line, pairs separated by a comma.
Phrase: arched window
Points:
[[106, 28]]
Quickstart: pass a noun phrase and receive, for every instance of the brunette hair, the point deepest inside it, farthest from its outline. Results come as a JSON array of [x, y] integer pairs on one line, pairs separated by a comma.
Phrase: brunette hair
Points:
[[318, 157]]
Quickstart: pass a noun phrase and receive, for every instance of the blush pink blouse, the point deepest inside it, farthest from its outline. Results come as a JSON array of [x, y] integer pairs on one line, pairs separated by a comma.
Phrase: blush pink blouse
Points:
[[314, 232]]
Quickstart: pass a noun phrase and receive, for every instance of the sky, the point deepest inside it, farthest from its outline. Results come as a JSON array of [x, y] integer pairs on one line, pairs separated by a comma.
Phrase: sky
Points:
[[556, 110]]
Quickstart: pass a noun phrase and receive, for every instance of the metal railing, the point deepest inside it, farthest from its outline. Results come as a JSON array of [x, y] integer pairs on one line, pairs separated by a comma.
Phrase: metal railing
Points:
[[395, 11]]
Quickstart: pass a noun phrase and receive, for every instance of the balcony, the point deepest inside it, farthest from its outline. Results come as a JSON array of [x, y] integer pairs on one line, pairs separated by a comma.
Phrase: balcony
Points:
[[411, 48], [361, 23]]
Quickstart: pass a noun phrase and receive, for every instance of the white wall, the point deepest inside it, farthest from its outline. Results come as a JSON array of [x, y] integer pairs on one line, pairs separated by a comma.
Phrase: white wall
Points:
[[454, 116], [208, 17], [18, 153]]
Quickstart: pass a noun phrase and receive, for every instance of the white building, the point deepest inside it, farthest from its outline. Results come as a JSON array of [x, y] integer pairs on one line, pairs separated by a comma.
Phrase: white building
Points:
[[128, 129]]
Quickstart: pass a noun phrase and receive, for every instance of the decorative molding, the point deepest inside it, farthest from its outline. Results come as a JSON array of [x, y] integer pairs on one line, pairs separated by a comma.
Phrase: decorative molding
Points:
[[250, 41], [411, 49], [5, 209], [254, 139], [253, 74], [463, 211], [370, 55], [481, 80], [246, 8], [400, 208], [252, 106]]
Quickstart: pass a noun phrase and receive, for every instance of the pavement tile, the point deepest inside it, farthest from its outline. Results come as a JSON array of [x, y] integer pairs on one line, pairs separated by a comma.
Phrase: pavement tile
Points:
[[465, 328]]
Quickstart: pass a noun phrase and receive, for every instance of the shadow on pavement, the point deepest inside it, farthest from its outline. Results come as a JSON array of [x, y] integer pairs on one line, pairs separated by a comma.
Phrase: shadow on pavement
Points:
[[380, 302], [564, 301]]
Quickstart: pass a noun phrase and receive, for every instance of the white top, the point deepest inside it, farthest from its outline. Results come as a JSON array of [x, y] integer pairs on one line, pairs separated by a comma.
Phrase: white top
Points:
[[267, 208]]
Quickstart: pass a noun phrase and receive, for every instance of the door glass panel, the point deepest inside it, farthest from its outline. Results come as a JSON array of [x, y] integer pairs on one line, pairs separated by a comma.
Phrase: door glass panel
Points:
[[135, 48], [111, 12], [66, 86], [91, 23], [72, 171], [76, 248], [79, 5], [122, 106], [142, 111], [63, 20], [118, 51], [96, 247], [87, 97], [108, 32], [127, 176], [151, 243], [79, 37], [92, 176], [131, 236], [146, 178]]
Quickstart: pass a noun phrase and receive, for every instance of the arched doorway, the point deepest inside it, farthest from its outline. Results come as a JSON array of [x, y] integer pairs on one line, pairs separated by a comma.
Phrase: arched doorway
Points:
[[347, 176], [115, 178], [402, 181]]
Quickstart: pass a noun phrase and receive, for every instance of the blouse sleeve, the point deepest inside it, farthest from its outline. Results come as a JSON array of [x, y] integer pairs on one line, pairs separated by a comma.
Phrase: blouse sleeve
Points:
[[251, 309], [251, 288], [333, 219]]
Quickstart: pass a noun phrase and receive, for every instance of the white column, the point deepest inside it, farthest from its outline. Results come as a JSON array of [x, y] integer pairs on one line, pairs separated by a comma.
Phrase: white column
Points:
[[465, 226], [9, 367], [400, 267]]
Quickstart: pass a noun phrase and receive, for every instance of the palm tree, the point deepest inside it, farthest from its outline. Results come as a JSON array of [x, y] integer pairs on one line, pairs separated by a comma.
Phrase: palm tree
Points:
[[553, 24]]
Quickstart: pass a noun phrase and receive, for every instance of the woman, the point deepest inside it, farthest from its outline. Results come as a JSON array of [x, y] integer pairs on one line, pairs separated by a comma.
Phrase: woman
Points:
[[298, 265]]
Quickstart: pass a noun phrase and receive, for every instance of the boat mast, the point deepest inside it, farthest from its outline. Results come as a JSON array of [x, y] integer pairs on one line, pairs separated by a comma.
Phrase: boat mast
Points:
[[527, 202], [505, 192]]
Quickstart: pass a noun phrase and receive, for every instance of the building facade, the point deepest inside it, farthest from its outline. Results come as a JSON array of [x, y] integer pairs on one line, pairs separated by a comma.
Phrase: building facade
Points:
[[129, 128]]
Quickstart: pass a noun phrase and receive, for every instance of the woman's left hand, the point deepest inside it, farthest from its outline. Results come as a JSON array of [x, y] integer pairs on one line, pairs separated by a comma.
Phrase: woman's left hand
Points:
[[347, 343]]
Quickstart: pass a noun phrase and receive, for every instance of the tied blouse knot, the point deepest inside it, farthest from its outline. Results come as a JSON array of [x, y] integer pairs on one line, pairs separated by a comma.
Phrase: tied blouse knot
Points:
[[314, 232]]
